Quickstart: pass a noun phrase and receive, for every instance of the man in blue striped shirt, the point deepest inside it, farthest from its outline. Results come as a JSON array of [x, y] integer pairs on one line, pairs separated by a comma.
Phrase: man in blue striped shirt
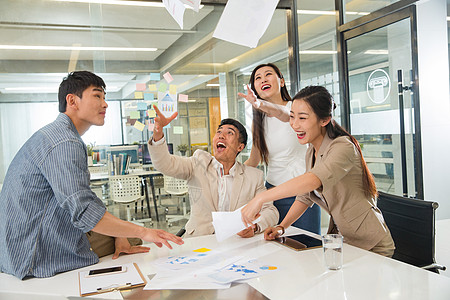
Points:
[[46, 204]]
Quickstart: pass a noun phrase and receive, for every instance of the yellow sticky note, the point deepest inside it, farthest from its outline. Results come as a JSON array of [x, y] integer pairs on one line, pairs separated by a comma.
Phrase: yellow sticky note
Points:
[[172, 89], [138, 95], [152, 87], [202, 250], [151, 113], [139, 126]]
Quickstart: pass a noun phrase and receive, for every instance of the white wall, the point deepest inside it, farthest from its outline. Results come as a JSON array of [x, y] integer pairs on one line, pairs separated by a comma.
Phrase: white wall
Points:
[[434, 101]]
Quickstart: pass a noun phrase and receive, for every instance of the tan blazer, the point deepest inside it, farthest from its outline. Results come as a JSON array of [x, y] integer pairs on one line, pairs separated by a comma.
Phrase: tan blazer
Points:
[[358, 219], [202, 180]]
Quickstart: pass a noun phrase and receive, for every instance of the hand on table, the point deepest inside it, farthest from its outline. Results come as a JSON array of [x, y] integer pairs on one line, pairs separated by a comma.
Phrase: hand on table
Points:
[[123, 246], [160, 237]]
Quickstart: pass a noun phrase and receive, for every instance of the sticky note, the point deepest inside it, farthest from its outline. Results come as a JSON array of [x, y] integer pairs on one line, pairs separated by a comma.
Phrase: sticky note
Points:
[[138, 95], [151, 113], [140, 86], [135, 115], [151, 126], [172, 89], [142, 106], [162, 87], [177, 129], [201, 250], [168, 77], [182, 98], [155, 76], [152, 87], [139, 126], [149, 96]]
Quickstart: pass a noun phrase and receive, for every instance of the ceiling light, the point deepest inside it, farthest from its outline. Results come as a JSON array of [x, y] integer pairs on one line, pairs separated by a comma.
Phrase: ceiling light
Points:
[[377, 52], [71, 48], [31, 88], [128, 3], [328, 12], [192, 100], [317, 51], [213, 84], [315, 12]]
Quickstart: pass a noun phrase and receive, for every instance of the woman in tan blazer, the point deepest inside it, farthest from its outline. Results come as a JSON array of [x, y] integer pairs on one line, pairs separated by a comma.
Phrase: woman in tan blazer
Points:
[[337, 178]]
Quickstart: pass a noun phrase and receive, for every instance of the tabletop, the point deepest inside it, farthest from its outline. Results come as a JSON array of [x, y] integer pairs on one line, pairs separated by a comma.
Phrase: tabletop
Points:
[[300, 275]]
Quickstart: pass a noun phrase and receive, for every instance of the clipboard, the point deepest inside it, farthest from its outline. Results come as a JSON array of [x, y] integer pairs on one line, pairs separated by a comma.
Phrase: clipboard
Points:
[[129, 279]]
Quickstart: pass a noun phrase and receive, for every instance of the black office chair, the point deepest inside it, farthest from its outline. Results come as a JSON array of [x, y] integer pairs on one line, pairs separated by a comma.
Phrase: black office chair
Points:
[[411, 223]]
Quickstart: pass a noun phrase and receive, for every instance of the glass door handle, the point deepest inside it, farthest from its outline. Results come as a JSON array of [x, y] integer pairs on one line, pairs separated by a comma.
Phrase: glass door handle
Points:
[[401, 109]]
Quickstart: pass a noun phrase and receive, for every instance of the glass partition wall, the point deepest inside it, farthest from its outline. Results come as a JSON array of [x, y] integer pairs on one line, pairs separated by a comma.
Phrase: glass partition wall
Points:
[[132, 46]]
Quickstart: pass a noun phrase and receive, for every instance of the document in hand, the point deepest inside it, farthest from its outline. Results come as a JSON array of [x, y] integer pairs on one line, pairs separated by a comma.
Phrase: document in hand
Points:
[[103, 283], [227, 224]]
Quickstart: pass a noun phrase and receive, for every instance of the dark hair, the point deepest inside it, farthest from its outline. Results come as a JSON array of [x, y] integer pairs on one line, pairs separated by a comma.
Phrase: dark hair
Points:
[[258, 117], [242, 132], [76, 83], [321, 102]]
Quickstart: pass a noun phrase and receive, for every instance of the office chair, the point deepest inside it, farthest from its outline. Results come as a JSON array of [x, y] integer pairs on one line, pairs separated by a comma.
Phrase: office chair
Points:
[[176, 188], [126, 189], [411, 223]]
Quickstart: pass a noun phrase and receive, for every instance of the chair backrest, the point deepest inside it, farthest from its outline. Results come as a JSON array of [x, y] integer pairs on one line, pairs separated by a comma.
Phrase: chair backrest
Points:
[[411, 223], [125, 188], [175, 186]]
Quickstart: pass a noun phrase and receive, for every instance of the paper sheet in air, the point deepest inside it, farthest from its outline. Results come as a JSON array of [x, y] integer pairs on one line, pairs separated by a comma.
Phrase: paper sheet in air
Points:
[[244, 22]]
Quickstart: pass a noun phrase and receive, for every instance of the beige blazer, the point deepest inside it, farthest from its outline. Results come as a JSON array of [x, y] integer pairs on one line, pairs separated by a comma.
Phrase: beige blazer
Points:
[[202, 180], [358, 219]]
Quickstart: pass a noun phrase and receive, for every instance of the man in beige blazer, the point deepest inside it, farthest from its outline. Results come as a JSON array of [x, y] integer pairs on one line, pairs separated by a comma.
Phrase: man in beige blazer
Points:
[[215, 183]]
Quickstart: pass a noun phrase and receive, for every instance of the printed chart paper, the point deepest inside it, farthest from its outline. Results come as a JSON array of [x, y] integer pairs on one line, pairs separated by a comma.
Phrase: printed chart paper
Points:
[[167, 103], [244, 22]]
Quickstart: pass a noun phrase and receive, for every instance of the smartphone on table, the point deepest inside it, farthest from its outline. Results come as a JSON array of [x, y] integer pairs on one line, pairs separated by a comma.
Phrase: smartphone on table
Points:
[[106, 271], [299, 242]]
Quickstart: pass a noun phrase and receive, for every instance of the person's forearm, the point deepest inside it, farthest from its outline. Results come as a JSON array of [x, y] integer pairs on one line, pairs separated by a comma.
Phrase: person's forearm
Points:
[[112, 226], [296, 186], [296, 211], [274, 110], [254, 158]]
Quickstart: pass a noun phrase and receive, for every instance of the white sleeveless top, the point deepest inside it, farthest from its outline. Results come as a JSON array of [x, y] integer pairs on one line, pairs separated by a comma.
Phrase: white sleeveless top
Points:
[[286, 154]]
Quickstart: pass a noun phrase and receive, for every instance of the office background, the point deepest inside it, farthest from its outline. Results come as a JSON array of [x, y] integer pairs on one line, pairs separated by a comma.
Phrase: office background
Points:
[[356, 53]]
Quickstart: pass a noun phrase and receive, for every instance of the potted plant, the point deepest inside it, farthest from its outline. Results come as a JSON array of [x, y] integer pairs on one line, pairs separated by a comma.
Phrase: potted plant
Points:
[[182, 148]]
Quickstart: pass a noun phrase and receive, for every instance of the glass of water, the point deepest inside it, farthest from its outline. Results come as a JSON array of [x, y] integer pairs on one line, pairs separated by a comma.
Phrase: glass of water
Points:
[[332, 251]]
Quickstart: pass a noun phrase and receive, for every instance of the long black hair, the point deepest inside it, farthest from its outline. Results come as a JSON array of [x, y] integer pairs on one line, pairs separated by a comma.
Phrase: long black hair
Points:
[[321, 102], [258, 117]]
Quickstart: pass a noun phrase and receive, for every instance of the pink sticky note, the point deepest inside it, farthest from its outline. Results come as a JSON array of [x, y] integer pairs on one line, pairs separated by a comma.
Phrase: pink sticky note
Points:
[[168, 77], [182, 98], [151, 126], [141, 86]]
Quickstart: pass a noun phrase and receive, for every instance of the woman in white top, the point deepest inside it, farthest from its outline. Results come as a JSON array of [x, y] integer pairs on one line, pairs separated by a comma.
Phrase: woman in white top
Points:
[[274, 141]]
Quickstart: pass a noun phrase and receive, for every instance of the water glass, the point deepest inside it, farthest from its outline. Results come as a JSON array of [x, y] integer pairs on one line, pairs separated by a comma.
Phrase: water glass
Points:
[[332, 251]]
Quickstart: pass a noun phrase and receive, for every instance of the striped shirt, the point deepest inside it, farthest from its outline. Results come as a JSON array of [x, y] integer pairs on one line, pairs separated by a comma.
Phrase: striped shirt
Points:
[[46, 205]]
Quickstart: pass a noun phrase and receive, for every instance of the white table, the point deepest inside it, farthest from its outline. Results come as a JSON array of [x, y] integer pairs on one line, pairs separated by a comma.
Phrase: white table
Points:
[[301, 275], [442, 252]]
